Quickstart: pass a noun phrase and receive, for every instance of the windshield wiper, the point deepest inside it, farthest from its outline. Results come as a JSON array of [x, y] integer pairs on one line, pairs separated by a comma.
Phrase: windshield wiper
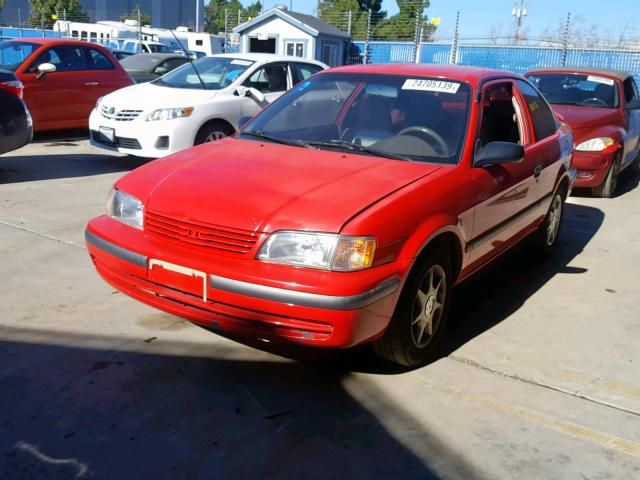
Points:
[[354, 147], [269, 138]]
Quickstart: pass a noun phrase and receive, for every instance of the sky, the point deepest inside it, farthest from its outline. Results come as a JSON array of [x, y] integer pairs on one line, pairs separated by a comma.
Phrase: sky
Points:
[[478, 16]]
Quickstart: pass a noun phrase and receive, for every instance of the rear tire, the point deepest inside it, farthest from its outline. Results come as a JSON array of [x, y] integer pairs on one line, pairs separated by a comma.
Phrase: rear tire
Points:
[[416, 329], [607, 188], [545, 238], [212, 131]]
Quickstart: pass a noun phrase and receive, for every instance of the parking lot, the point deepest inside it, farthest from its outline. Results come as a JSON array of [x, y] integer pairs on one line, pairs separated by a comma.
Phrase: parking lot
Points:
[[540, 377]]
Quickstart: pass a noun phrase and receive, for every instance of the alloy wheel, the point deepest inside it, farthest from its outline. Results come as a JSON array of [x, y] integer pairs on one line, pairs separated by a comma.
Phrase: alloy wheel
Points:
[[553, 222], [428, 306], [215, 135]]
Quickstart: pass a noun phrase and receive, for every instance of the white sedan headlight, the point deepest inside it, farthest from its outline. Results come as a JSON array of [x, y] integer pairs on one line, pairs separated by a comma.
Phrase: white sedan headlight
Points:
[[125, 208], [169, 113], [325, 251], [595, 144]]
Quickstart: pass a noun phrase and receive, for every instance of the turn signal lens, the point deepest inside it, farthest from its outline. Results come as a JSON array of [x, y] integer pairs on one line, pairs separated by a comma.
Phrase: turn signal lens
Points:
[[354, 253]]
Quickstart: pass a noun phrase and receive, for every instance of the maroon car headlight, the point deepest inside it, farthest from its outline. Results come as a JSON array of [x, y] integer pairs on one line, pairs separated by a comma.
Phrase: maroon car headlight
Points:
[[597, 144], [125, 208], [326, 251]]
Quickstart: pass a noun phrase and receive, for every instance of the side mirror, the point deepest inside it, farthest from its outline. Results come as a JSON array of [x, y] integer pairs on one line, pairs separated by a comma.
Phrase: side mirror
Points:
[[494, 153], [160, 70], [45, 68], [633, 104], [244, 120], [560, 117]]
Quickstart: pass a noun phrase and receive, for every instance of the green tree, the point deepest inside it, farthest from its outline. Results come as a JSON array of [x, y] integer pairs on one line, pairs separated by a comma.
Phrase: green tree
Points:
[[145, 18], [402, 26], [214, 14], [44, 11], [336, 14]]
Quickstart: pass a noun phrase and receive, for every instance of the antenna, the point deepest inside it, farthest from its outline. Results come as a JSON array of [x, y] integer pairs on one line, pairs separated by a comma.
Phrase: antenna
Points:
[[190, 59]]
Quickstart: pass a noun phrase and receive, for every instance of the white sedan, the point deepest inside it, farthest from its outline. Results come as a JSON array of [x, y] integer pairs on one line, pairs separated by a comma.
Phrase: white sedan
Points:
[[194, 104]]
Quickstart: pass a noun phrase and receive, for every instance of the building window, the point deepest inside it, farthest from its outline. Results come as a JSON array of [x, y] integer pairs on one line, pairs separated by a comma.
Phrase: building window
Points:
[[295, 49]]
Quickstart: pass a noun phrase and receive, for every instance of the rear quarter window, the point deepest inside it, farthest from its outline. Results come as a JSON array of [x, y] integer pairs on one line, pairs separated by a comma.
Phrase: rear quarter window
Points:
[[544, 121]]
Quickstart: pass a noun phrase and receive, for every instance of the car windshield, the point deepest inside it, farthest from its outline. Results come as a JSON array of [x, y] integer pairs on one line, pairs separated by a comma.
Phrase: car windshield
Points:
[[576, 89], [215, 72], [392, 116], [159, 48], [12, 54]]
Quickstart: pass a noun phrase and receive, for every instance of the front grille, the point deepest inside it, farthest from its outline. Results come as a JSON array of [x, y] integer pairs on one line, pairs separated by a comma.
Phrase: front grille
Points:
[[121, 142], [119, 115], [216, 237]]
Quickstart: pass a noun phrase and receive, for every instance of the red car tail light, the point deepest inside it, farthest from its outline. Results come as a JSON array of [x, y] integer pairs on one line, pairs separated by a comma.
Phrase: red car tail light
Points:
[[16, 87]]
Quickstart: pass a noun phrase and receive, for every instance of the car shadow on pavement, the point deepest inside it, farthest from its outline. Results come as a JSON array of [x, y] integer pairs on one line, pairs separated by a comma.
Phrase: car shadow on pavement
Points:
[[29, 168], [493, 294], [105, 407]]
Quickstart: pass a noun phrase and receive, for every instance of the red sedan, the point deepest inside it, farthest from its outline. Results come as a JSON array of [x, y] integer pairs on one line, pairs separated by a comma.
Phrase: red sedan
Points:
[[603, 108], [346, 211], [62, 79]]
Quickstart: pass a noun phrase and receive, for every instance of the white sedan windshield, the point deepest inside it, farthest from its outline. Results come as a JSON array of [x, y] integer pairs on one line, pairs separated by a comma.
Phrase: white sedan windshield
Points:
[[211, 73]]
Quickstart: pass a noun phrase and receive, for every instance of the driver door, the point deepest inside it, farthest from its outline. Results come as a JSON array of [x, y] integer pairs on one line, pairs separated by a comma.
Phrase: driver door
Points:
[[503, 192], [631, 120], [272, 80]]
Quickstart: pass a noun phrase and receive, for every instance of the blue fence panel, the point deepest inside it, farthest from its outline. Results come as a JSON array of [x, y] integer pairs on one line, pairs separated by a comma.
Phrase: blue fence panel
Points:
[[514, 59], [10, 32]]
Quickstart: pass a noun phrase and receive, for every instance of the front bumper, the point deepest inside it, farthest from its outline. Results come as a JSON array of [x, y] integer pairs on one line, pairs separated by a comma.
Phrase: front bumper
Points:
[[250, 309], [592, 167], [141, 138]]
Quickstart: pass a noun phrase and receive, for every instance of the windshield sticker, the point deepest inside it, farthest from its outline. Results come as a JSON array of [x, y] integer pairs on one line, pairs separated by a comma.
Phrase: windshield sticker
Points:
[[431, 85], [244, 63], [605, 81]]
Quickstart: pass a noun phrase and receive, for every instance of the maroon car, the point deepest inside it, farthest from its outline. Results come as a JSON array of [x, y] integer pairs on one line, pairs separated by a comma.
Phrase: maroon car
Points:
[[603, 108]]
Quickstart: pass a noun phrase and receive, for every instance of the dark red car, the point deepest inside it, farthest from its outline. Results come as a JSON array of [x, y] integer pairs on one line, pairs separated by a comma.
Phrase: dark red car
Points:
[[603, 108], [16, 127], [346, 211], [62, 79]]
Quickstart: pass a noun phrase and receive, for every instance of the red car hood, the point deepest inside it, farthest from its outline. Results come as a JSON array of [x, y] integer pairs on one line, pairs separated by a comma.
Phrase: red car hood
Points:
[[583, 117], [266, 187]]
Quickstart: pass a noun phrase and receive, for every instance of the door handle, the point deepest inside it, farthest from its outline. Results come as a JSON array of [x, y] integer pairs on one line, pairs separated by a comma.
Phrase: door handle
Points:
[[537, 171], [91, 84]]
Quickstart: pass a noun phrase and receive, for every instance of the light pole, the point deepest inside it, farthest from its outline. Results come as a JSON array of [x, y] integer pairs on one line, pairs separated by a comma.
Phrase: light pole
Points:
[[198, 15], [520, 11]]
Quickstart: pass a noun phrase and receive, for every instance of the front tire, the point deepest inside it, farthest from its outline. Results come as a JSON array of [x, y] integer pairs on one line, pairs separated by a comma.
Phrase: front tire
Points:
[[212, 131], [607, 188], [416, 329]]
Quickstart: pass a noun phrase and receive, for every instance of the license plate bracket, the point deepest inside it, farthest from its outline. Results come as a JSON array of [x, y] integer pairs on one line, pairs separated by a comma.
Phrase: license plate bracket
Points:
[[108, 133], [179, 277]]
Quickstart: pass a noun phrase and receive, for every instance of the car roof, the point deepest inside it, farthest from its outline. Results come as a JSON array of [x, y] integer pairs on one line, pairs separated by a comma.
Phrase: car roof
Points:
[[267, 57], [55, 41], [607, 72], [472, 75]]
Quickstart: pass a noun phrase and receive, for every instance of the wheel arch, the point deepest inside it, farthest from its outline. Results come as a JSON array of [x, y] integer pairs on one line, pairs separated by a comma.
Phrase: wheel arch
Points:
[[212, 120]]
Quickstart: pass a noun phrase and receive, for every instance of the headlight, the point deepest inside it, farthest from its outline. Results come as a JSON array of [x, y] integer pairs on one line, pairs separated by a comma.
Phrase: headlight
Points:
[[595, 144], [98, 102], [319, 250], [169, 113], [125, 208]]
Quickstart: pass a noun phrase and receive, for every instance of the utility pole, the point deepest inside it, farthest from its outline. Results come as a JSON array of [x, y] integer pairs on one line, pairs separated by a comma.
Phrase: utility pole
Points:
[[453, 58], [198, 15], [520, 11], [565, 40]]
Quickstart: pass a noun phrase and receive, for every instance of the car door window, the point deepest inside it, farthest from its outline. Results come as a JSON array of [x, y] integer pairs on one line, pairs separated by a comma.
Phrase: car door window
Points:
[[501, 120], [544, 122], [66, 58], [96, 60], [269, 79], [630, 90], [174, 63], [305, 70]]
